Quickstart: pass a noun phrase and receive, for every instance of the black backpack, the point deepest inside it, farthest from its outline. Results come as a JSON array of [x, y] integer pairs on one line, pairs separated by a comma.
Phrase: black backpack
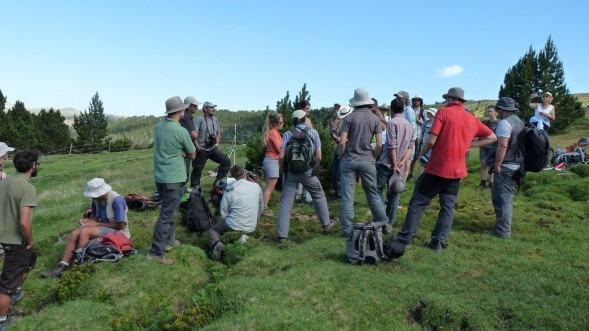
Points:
[[535, 146], [197, 215], [299, 151]]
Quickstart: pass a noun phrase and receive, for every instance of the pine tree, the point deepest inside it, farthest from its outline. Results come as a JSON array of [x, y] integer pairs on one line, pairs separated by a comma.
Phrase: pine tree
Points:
[[285, 108], [541, 73], [2, 101], [24, 135], [91, 126], [53, 133]]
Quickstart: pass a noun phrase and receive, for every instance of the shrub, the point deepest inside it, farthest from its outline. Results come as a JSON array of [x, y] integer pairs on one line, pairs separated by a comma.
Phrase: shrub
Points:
[[71, 282]]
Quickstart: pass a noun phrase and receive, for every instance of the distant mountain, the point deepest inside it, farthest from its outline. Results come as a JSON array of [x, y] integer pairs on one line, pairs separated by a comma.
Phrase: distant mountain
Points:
[[68, 113]]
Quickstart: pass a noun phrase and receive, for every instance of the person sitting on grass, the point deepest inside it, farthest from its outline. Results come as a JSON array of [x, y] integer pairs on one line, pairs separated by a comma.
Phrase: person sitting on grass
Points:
[[108, 215], [241, 206]]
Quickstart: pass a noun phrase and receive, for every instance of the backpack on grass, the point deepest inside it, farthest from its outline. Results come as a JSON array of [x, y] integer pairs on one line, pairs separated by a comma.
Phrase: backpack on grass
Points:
[[110, 248], [366, 244], [299, 151], [197, 214]]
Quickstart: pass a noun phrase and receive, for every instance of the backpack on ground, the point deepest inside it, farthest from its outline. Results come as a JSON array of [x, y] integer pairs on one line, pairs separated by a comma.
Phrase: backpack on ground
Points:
[[299, 151], [110, 248], [118, 240], [535, 146], [138, 202], [197, 214], [366, 244]]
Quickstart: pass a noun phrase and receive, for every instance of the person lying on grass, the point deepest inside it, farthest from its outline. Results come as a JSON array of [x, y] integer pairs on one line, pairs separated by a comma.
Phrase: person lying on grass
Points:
[[108, 215]]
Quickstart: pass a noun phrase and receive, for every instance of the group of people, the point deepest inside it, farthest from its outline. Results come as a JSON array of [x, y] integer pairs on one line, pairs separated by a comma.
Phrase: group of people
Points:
[[378, 150]]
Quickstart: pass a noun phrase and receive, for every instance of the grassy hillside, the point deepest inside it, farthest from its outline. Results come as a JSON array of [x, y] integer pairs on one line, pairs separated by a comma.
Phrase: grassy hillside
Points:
[[539, 279]]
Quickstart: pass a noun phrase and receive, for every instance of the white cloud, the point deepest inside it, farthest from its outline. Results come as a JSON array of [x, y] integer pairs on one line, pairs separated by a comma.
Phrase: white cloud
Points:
[[450, 71]]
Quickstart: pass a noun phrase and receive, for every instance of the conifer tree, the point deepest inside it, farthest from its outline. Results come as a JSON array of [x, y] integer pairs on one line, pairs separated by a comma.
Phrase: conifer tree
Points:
[[24, 135], [53, 133], [2, 101], [91, 126]]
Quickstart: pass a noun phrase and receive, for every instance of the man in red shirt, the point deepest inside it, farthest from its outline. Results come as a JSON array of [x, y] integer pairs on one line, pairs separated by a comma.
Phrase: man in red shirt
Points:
[[450, 137]]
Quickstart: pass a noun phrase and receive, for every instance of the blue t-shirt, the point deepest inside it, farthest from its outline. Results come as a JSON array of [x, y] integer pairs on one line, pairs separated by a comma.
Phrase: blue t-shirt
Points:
[[99, 210]]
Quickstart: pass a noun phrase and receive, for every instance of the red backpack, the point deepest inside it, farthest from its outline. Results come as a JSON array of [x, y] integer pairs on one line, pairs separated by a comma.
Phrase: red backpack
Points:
[[119, 241]]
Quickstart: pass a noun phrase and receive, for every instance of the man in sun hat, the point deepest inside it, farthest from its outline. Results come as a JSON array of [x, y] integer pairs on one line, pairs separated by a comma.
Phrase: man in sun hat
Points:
[[187, 122], [307, 178], [108, 215], [4, 150], [171, 143], [451, 135], [508, 160], [17, 200], [357, 159], [208, 137], [334, 129]]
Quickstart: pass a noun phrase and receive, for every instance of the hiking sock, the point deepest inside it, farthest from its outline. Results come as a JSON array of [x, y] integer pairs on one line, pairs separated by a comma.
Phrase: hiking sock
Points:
[[3, 318], [65, 264]]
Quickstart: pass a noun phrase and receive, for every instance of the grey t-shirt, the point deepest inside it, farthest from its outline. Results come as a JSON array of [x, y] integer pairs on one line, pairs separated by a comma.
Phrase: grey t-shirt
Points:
[[361, 125], [504, 131], [205, 128]]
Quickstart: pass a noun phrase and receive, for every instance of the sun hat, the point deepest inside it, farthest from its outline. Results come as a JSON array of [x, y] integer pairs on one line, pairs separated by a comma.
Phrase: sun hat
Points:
[[361, 98], [344, 111], [403, 95], [191, 101], [396, 184], [547, 93], [417, 97], [97, 187], [432, 111], [385, 106], [299, 113], [209, 104], [455, 92], [5, 149], [174, 104], [506, 103]]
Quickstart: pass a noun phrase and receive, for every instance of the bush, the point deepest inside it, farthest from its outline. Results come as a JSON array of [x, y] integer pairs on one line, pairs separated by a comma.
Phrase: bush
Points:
[[119, 145], [580, 169]]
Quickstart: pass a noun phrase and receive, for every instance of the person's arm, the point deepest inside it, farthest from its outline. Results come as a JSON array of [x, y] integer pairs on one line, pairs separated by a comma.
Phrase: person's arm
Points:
[[343, 139], [532, 104], [429, 143], [551, 115], [378, 146], [225, 204], [317, 156], [502, 144], [485, 141], [281, 157], [26, 226], [111, 225]]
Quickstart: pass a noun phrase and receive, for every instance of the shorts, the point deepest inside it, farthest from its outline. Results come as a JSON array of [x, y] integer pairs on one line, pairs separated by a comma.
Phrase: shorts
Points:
[[18, 260], [485, 154], [103, 231], [271, 167]]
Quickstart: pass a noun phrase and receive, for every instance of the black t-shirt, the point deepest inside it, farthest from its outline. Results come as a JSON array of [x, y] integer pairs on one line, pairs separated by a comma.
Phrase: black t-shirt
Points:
[[186, 122]]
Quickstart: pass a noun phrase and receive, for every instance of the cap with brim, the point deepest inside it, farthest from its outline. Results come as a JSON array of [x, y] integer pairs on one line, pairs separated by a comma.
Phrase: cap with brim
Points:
[[344, 111], [299, 113], [402, 94], [455, 92], [506, 103], [174, 104], [431, 111], [417, 97], [191, 101], [5, 149], [209, 104], [547, 93], [396, 184], [361, 98], [97, 187]]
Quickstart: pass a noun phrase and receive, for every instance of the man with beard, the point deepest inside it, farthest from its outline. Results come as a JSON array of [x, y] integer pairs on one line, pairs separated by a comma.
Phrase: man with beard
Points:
[[17, 199]]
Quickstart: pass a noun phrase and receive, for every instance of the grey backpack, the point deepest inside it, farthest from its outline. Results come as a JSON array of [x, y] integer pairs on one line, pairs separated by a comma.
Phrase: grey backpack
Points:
[[365, 244]]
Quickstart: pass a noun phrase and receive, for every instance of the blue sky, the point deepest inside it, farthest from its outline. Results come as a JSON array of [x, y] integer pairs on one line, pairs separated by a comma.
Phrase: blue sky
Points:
[[246, 55]]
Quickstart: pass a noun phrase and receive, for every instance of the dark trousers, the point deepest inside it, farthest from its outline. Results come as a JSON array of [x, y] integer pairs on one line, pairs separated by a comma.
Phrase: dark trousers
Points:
[[163, 233], [426, 188], [201, 158]]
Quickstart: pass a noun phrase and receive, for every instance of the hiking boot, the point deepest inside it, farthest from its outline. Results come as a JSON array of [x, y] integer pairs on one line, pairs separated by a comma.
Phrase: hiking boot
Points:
[[160, 258], [267, 212], [217, 251], [436, 245], [56, 272], [331, 224], [6, 322], [482, 186], [172, 246], [281, 240], [17, 296], [404, 241], [387, 229]]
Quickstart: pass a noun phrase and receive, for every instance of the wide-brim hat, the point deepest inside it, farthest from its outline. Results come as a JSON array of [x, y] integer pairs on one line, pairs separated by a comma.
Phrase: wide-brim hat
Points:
[[174, 104], [299, 113], [191, 101], [385, 107], [396, 184], [506, 103], [344, 111], [361, 98], [455, 92], [432, 111], [97, 187], [5, 149], [417, 97]]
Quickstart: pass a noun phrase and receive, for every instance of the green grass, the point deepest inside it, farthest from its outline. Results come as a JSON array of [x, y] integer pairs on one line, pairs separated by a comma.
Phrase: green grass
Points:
[[539, 279]]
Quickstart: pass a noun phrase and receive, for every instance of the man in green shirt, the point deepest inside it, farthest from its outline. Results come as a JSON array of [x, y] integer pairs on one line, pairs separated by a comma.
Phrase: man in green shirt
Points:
[[17, 199], [171, 143]]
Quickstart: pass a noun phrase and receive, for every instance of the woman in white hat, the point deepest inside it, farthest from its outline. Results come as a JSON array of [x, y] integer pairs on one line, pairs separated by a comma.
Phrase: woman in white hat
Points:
[[4, 150], [544, 112]]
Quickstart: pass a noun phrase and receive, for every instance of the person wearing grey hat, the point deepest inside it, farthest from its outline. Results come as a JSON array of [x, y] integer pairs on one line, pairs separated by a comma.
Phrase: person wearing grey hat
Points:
[[452, 133], [17, 200], [357, 159], [508, 160], [108, 215], [409, 115], [187, 122], [307, 178], [208, 136], [171, 142]]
